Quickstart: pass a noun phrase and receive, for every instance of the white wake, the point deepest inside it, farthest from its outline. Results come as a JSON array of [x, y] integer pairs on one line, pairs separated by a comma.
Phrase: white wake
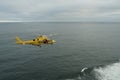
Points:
[[109, 72]]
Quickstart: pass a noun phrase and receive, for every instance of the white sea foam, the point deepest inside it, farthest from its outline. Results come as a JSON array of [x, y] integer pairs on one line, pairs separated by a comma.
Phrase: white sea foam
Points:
[[109, 72]]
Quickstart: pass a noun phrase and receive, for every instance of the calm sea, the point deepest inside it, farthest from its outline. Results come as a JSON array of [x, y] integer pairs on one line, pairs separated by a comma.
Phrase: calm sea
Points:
[[84, 51]]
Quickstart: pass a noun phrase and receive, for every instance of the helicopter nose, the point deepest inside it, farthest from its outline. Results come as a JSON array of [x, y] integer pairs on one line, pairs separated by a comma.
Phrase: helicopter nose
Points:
[[53, 41]]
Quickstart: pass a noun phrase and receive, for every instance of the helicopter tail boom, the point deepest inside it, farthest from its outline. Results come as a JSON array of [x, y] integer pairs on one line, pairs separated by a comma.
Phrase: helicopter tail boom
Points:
[[18, 40]]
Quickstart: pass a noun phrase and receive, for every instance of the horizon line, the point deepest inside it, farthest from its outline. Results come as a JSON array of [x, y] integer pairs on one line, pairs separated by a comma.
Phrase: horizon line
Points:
[[60, 21], [54, 21]]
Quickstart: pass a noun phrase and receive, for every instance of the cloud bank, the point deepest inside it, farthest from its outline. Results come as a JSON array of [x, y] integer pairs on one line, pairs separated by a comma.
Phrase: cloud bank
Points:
[[60, 10]]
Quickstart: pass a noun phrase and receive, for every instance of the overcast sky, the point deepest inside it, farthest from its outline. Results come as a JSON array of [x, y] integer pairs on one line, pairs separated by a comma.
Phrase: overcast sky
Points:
[[60, 10]]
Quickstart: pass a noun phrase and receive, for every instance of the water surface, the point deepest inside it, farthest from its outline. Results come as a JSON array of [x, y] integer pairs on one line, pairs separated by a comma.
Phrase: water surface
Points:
[[84, 51]]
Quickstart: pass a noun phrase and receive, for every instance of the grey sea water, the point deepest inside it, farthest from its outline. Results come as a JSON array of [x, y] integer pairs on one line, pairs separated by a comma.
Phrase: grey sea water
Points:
[[84, 51]]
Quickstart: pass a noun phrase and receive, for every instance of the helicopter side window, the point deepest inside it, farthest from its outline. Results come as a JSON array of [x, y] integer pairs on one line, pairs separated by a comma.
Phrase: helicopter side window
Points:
[[45, 41], [33, 39]]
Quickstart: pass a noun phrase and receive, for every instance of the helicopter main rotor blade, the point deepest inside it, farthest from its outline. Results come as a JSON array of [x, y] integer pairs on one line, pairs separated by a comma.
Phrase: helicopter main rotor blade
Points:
[[49, 35]]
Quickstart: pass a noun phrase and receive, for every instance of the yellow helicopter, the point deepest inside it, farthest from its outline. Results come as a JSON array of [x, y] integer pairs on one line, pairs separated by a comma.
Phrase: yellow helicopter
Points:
[[39, 41]]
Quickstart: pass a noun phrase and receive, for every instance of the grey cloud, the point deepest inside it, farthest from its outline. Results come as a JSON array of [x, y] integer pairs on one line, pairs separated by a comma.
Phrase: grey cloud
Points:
[[59, 10]]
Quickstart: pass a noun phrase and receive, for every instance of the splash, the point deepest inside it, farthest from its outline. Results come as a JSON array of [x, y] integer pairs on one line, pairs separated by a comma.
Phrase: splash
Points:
[[104, 72], [109, 72]]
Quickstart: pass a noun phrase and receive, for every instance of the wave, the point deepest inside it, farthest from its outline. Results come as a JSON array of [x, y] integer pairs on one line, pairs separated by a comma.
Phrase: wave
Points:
[[102, 72]]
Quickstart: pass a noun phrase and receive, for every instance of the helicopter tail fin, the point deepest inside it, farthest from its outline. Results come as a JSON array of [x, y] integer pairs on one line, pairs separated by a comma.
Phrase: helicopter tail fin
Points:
[[18, 40]]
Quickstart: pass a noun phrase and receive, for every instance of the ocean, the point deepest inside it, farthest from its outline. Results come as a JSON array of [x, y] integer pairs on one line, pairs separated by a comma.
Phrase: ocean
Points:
[[83, 51]]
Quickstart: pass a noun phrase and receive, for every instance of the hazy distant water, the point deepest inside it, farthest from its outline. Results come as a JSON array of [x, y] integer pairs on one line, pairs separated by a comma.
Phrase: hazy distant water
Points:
[[84, 51]]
